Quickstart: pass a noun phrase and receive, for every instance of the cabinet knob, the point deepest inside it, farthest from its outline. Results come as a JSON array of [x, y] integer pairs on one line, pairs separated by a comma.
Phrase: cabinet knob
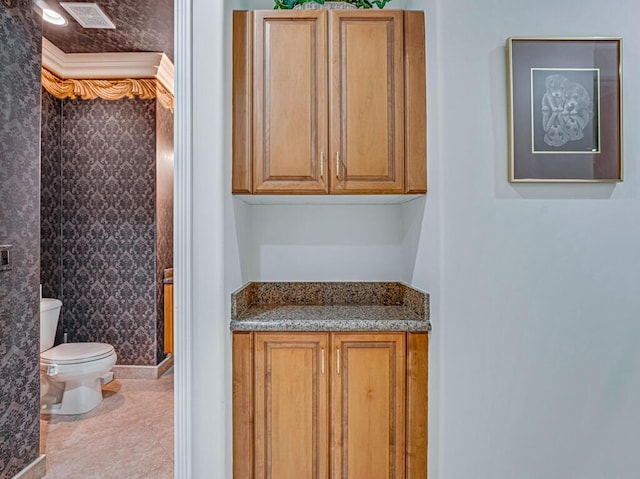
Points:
[[322, 165], [338, 360]]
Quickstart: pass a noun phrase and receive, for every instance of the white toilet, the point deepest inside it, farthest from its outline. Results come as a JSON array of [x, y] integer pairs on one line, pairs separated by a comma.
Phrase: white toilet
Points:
[[71, 374]]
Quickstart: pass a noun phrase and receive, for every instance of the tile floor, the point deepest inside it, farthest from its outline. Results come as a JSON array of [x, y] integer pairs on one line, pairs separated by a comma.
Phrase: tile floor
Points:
[[128, 436]]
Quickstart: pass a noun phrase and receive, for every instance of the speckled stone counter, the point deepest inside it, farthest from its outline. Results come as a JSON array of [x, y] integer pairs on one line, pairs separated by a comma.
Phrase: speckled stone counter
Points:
[[329, 307]]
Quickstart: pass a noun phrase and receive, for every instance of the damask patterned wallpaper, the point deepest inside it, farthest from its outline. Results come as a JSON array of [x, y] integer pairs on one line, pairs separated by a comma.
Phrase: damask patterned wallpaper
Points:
[[108, 215], [50, 197], [20, 52], [110, 261], [164, 210]]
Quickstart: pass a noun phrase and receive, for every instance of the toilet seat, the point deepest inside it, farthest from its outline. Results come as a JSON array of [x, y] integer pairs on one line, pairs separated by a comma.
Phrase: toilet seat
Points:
[[71, 376], [76, 353]]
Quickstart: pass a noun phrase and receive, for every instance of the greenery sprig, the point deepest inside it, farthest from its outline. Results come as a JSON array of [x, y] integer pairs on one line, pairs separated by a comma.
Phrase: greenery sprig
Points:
[[289, 4]]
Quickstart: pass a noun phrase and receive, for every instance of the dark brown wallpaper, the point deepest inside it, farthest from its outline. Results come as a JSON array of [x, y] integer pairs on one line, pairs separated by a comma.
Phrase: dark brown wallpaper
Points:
[[50, 197], [114, 189], [108, 198], [141, 26], [20, 52], [164, 210]]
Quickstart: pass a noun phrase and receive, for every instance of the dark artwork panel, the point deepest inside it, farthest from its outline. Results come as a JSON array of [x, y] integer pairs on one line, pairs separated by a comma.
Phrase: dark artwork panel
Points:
[[565, 110]]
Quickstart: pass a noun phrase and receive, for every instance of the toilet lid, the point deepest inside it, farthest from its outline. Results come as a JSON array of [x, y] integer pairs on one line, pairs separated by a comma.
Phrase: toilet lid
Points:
[[76, 352]]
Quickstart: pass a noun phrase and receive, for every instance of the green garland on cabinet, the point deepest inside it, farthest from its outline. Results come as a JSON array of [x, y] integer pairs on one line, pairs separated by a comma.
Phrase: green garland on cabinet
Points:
[[289, 4]]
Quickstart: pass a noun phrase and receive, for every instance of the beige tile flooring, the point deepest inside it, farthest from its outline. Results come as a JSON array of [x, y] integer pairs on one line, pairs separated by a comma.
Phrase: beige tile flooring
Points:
[[128, 436]]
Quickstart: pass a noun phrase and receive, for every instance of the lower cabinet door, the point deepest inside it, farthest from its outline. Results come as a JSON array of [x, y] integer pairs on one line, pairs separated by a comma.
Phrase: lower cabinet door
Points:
[[368, 405], [291, 406]]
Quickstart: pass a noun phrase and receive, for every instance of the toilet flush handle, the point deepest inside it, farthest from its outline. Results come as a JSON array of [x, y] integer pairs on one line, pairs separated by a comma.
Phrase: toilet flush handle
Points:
[[52, 370]]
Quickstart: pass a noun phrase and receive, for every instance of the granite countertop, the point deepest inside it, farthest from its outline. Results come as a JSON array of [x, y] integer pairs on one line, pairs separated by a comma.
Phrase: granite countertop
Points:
[[329, 307]]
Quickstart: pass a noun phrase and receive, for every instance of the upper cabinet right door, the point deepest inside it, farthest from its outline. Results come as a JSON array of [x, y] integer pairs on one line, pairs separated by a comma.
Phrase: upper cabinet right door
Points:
[[366, 112]]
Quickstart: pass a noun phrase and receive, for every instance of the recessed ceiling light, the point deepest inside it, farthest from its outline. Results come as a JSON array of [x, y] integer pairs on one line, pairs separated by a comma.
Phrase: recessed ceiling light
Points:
[[52, 16]]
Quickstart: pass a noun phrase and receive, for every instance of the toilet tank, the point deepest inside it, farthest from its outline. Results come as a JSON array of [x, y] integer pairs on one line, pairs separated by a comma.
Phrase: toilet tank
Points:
[[49, 314]]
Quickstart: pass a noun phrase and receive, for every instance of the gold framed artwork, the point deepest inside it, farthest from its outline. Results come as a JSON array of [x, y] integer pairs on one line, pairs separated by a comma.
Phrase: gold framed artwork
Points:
[[565, 109]]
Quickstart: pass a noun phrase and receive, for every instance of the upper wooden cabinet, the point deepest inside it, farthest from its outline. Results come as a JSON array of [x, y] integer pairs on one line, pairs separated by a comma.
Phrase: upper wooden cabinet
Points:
[[329, 102]]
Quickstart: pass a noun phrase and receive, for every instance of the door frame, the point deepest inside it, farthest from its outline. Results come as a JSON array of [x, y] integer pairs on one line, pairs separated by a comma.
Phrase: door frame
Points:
[[182, 239]]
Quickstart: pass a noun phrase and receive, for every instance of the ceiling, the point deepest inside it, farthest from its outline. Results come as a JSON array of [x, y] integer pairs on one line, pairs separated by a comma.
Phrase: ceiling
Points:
[[141, 26]]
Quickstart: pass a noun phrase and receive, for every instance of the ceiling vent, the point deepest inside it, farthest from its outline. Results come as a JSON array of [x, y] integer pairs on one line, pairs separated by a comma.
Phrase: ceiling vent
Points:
[[89, 15]]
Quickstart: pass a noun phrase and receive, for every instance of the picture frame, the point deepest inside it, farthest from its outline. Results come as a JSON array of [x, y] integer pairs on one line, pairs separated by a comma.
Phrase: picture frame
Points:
[[565, 109]]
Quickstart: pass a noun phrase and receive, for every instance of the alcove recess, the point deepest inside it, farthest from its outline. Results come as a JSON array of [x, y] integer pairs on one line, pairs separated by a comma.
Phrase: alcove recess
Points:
[[107, 197]]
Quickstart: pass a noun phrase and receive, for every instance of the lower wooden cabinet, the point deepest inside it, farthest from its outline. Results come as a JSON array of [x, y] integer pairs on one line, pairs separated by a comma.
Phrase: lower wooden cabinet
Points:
[[291, 406], [329, 405]]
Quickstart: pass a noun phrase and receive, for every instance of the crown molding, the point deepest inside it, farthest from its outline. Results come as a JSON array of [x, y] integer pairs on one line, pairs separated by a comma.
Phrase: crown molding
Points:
[[165, 73], [117, 65], [111, 89]]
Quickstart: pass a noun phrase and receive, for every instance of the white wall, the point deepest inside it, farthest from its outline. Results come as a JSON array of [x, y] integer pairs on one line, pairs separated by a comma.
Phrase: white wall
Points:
[[534, 368], [327, 242], [214, 265], [540, 364]]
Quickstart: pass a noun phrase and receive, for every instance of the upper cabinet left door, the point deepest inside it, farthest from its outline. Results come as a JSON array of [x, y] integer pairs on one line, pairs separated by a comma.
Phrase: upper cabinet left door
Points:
[[290, 106]]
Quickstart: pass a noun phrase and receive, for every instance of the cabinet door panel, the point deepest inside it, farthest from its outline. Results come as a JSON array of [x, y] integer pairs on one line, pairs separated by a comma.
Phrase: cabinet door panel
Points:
[[291, 403], [367, 102], [290, 102], [368, 405]]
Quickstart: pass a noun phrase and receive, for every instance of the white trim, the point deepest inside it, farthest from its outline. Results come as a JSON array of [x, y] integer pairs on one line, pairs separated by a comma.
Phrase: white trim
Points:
[[53, 59], [182, 305], [165, 74], [107, 65], [35, 470]]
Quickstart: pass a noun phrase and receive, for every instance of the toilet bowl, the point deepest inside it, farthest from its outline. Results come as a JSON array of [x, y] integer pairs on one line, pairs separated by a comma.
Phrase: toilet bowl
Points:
[[71, 374]]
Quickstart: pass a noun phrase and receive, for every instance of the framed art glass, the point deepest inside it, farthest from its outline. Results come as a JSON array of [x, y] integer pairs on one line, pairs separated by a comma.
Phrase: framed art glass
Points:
[[565, 118]]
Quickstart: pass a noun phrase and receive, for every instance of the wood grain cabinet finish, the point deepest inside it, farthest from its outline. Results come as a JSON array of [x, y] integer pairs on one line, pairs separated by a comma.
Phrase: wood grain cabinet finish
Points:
[[367, 101], [330, 405], [320, 102], [368, 406], [289, 102], [168, 318], [291, 406]]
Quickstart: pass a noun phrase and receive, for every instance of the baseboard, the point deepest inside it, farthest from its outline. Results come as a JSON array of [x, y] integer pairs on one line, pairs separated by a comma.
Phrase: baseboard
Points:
[[143, 372], [36, 470]]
